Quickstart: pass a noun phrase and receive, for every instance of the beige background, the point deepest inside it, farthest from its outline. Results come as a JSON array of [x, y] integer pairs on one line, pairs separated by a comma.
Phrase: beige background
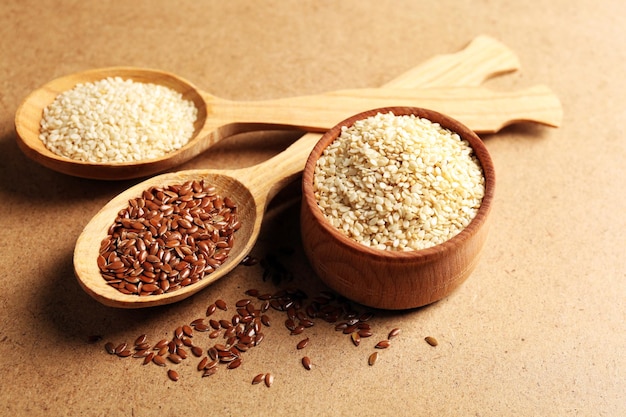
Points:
[[538, 329]]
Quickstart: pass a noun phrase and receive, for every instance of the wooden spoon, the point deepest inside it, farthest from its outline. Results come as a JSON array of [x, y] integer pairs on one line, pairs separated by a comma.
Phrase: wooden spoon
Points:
[[483, 58], [251, 188], [481, 109]]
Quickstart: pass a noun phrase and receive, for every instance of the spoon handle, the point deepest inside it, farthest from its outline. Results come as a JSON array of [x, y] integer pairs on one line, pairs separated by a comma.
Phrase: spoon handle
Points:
[[481, 59], [269, 177], [481, 109]]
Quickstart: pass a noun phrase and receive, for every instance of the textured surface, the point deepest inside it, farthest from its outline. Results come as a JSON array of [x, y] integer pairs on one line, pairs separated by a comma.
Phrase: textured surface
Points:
[[538, 329]]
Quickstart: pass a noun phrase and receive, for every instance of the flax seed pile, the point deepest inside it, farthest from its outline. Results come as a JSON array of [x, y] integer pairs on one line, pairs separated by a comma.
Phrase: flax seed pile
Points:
[[398, 182], [116, 120], [168, 238]]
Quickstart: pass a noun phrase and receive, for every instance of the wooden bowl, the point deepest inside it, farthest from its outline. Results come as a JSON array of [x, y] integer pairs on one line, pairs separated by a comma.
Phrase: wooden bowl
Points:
[[393, 279]]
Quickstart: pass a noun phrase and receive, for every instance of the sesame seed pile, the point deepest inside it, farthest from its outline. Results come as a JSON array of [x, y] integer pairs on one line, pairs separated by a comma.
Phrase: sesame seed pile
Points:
[[116, 120], [398, 182]]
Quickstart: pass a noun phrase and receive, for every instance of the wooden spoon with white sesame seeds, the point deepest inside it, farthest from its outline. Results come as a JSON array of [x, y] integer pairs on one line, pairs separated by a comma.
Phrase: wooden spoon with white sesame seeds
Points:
[[483, 110]]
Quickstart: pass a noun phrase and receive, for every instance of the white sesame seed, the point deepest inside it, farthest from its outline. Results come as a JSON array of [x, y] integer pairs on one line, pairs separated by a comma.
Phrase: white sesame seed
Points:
[[407, 183], [116, 120]]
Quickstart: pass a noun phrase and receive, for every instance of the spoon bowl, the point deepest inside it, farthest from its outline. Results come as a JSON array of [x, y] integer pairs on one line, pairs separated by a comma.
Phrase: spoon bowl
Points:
[[88, 244], [393, 279], [29, 114]]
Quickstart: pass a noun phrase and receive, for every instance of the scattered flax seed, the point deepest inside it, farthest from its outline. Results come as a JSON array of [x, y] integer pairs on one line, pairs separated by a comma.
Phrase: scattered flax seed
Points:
[[196, 322], [235, 363], [212, 364], [143, 346], [202, 327], [120, 348], [178, 333], [243, 302], [372, 359], [212, 352], [110, 348], [173, 375], [290, 324], [365, 333], [158, 360], [187, 331], [297, 330], [383, 344], [125, 353], [210, 309], [258, 379], [174, 358], [141, 339], [393, 333], [202, 363], [140, 353], [356, 338], [306, 362], [148, 358], [269, 380], [221, 304], [161, 344], [302, 344], [431, 340]]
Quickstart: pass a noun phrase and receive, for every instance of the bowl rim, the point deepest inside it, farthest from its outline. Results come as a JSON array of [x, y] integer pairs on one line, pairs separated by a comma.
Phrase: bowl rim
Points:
[[427, 254]]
